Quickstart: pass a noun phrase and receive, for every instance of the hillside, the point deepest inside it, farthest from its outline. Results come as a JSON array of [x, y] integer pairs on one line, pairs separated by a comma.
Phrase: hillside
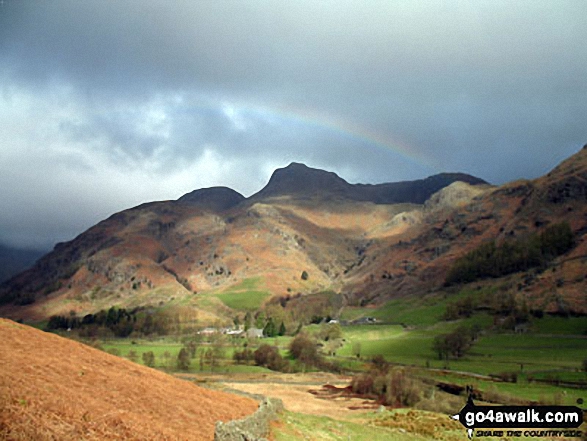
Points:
[[213, 254], [210, 240], [55, 388], [418, 261]]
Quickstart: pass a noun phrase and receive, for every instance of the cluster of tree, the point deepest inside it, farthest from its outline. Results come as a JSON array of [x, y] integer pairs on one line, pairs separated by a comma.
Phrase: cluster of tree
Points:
[[463, 307], [246, 356], [457, 343], [303, 350], [261, 320], [297, 310], [506, 310], [212, 356], [271, 330], [390, 387], [182, 362], [119, 321], [491, 260], [269, 357]]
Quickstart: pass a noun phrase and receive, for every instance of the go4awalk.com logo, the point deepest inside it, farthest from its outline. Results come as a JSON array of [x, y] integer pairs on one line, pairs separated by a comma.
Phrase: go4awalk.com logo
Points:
[[520, 421]]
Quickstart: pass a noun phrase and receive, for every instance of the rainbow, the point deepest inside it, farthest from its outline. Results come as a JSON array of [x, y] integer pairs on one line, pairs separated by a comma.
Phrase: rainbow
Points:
[[343, 127]]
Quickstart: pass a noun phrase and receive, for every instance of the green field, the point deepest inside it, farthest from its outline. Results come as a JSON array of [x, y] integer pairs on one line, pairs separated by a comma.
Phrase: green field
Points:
[[560, 325], [545, 362], [491, 354], [413, 311], [541, 356], [167, 350], [246, 296], [243, 300]]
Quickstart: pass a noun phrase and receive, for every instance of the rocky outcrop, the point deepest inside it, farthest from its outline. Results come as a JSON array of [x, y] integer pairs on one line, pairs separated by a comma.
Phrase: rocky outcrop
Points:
[[455, 195], [252, 428]]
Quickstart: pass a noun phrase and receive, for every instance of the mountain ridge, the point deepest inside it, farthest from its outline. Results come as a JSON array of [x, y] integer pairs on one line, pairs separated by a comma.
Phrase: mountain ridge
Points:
[[166, 252], [299, 180]]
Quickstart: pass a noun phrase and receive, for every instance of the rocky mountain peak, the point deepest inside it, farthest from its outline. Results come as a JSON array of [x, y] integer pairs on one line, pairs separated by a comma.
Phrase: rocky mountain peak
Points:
[[213, 198], [300, 180]]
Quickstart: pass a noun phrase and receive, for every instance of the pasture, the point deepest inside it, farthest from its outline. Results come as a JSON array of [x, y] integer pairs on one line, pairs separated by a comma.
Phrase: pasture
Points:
[[245, 296]]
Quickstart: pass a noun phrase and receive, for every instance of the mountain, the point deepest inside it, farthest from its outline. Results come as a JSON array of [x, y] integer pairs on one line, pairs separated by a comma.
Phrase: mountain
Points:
[[213, 254], [418, 261], [300, 181], [55, 388], [213, 199], [14, 261]]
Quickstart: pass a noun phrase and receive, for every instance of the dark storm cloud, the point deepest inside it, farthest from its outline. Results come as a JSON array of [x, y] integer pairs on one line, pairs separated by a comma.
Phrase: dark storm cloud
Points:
[[160, 98]]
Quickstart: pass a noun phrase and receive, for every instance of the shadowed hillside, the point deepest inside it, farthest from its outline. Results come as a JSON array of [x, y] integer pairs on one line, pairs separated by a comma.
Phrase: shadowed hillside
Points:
[[54, 388]]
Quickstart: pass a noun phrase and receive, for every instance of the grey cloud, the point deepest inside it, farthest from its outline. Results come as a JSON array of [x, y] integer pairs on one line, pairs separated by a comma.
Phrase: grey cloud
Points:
[[155, 89]]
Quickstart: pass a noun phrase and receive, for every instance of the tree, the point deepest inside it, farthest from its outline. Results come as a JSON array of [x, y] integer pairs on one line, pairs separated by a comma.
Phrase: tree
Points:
[[534, 250], [248, 321], [304, 275], [260, 320], [401, 390], [282, 329], [304, 349], [243, 357], [330, 331], [166, 358], [440, 347], [212, 355], [183, 359], [192, 348], [132, 356], [269, 357], [111, 316], [149, 358], [557, 239], [270, 330], [456, 343], [299, 328]]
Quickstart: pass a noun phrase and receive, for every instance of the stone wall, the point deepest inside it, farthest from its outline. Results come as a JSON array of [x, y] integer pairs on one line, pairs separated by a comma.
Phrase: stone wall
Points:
[[252, 428]]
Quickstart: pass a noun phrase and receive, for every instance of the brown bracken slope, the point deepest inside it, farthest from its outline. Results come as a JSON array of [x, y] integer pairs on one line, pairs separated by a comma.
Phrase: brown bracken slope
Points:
[[52, 388]]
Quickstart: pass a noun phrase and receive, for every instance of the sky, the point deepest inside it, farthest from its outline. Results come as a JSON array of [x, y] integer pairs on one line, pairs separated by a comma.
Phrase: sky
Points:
[[106, 104]]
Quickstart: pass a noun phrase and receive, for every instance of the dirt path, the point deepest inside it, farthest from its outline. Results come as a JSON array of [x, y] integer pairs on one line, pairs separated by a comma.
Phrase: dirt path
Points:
[[301, 393]]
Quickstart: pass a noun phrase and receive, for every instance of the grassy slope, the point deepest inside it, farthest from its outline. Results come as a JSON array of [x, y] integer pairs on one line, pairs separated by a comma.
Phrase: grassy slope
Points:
[[555, 347], [246, 296]]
